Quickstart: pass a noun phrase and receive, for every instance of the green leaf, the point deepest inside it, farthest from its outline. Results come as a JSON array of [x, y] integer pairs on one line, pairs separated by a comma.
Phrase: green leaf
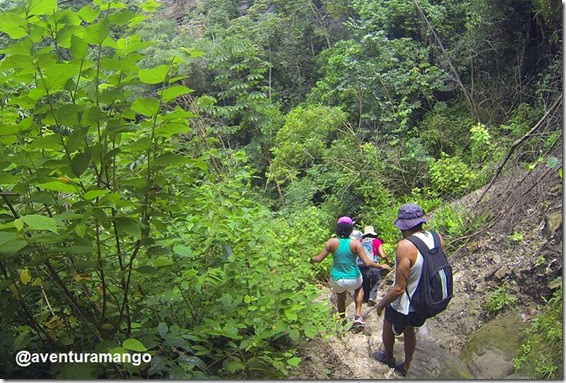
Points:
[[294, 361], [174, 91], [146, 106], [68, 115], [162, 329], [121, 17], [169, 129], [294, 334], [92, 194], [134, 345], [171, 158], [76, 139], [78, 47], [13, 246], [182, 250], [80, 162], [95, 34], [51, 141], [128, 226], [7, 179], [147, 269], [42, 7], [59, 186], [6, 237], [13, 25], [88, 13], [25, 276], [154, 75], [19, 224], [290, 314], [56, 75], [40, 222]]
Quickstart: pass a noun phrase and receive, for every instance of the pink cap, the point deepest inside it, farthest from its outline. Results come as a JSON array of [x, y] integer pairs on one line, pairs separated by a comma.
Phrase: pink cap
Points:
[[347, 220]]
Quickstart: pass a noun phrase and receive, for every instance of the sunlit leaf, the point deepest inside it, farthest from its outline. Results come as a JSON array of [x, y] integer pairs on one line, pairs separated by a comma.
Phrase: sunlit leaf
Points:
[[154, 75], [40, 222], [134, 345], [25, 276], [174, 91], [146, 106]]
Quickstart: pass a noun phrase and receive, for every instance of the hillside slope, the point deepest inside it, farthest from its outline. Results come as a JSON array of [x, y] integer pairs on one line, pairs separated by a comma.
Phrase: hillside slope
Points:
[[526, 204]]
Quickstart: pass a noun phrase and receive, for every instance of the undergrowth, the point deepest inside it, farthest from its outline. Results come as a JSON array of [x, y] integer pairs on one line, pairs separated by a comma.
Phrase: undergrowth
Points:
[[541, 354]]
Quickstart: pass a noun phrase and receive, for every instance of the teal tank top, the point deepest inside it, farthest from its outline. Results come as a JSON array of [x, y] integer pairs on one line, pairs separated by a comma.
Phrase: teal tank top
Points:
[[344, 262]]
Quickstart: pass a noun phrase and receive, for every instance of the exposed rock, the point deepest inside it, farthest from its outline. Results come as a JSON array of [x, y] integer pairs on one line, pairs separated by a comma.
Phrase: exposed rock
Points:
[[489, 352], [502, 272], [432, 362], [551, 222]]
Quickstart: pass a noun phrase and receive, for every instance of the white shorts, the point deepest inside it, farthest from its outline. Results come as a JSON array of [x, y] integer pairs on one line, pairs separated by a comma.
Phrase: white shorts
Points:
[[341, 285]]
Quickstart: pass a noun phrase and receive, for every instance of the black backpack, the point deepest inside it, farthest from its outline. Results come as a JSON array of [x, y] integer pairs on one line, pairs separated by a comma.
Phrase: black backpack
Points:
[[434, 290]]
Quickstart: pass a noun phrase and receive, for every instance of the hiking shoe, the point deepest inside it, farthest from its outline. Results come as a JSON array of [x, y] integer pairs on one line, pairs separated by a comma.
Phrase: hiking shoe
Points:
[[359, 321], [390, 362], [400, 369], [371, 302]]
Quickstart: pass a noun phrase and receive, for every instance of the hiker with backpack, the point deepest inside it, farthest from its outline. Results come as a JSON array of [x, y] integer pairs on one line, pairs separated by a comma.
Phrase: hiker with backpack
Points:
[[344, 273], [422, 286], [373, 248]]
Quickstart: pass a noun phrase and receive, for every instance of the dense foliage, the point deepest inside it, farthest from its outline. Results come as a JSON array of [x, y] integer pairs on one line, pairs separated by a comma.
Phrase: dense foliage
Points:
[[542, 353], [166, 172]]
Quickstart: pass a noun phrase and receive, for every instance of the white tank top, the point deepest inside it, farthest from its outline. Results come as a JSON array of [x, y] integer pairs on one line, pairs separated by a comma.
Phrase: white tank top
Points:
[[402, 304]]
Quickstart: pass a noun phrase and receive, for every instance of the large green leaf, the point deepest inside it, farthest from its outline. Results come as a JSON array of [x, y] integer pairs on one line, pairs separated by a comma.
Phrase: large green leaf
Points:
[[13, 25], [171, 128], [68, 115], [78, 47], [134, 345], [174, 91], [5, 237], [40, 222], [92, 194], [13, 246], [95, 34], [146, 106], [50, 141], [59, 185], [88, 13], [80, 162], [56, 75], [170, 158], [121, 17], [128, 226], [154, 75], [42, 7]]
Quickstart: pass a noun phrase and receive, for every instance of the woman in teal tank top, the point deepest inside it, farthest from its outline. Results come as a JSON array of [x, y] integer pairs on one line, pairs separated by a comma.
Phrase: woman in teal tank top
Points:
[[345, 274], [344, 262]]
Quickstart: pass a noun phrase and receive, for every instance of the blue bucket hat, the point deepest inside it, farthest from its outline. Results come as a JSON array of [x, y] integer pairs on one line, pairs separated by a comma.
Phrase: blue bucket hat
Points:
[[409, 216]]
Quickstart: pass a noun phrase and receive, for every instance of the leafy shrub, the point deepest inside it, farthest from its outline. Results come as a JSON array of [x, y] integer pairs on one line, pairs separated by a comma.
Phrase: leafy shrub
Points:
[[480, 142], [498, 300], [450, 176], [542, 353]]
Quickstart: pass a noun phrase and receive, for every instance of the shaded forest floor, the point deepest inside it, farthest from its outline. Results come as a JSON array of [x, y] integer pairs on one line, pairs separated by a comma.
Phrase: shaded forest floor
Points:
[[522, 202]]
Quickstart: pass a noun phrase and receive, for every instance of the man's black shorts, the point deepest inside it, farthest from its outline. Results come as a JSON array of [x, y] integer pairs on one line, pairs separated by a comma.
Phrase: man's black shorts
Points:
[[400, 321]]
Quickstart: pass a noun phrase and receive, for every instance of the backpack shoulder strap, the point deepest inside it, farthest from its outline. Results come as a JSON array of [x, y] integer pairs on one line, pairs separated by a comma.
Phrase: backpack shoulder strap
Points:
[[423, 248]]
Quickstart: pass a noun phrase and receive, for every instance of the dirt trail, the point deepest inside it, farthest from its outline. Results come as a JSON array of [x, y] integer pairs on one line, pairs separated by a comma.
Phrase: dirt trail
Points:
[[348, 355]]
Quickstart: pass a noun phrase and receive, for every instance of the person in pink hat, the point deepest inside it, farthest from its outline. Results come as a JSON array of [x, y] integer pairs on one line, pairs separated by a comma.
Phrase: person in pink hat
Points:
[[344, 273]]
